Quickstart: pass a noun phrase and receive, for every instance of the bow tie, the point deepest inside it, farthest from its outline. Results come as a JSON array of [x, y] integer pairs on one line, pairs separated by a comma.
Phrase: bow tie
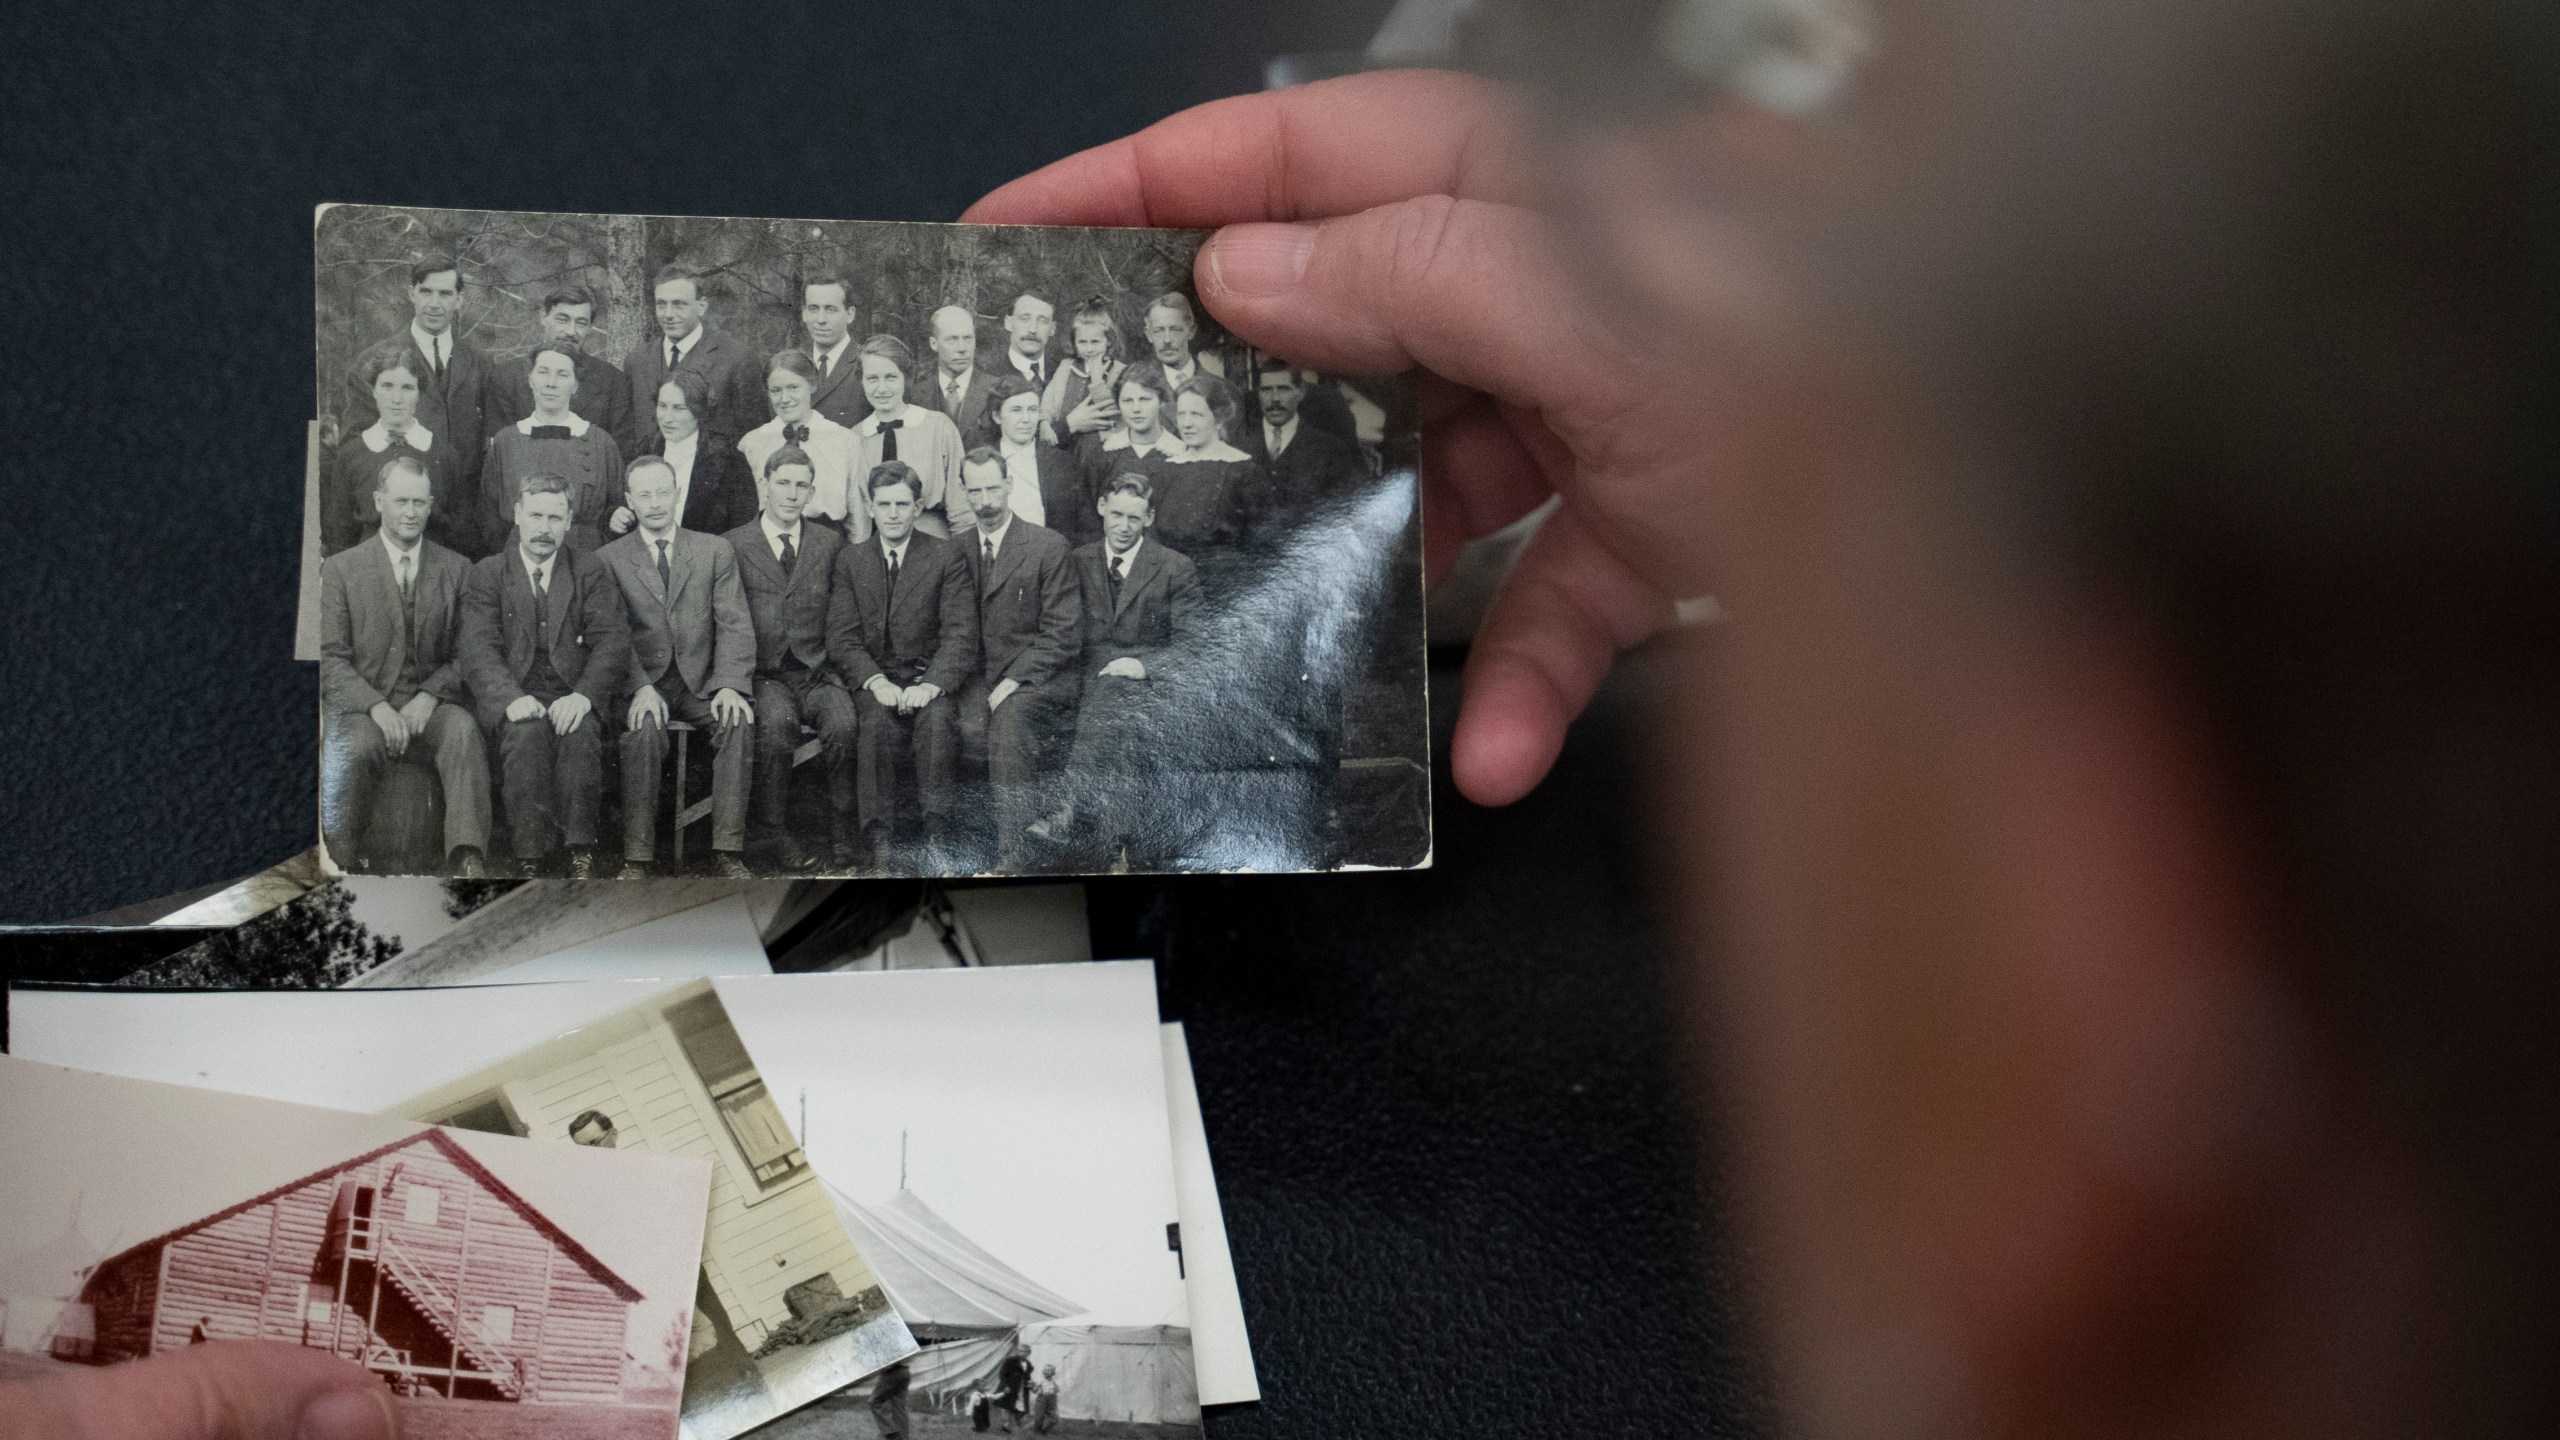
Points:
[[795, 434], [550, 432], [891, 424]]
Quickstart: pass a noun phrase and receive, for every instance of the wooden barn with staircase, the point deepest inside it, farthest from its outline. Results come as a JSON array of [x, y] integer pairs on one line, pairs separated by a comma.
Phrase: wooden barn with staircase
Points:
[[411, 1259]]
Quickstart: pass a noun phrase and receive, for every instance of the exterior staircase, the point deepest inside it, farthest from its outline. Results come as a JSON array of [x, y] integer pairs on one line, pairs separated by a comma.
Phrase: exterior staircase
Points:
[[420, 1289]]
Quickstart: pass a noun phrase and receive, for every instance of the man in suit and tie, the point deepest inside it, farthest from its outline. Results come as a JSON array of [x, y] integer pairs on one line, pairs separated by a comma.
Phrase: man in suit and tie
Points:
[[391, 692], [957, 385], [903, 629], [1141, 606], [454, 388], [827, 314], [544, 641], [1170, 330], [1029, 326], [1030, 626], [604, 392], [786, 566], [1048, 484], [693, 656], [1309, 464], [732, 370]]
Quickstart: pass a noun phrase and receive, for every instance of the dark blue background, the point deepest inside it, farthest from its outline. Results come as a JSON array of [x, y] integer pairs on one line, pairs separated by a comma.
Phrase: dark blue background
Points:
[[1450, 1113]]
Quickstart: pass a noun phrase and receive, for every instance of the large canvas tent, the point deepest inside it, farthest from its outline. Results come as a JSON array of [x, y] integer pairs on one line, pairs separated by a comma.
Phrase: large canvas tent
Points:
[[1139, 1373], [965, 1305], [39, 1289]]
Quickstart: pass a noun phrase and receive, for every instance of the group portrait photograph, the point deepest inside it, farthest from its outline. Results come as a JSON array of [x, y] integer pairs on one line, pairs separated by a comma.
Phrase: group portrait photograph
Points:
[[656, 545]]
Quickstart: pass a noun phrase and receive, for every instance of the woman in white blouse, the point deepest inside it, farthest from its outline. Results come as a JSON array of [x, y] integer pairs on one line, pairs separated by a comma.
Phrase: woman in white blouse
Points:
[[791, 386], [923, 439]]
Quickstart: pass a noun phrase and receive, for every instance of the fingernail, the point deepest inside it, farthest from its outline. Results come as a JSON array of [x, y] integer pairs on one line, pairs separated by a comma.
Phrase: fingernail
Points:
[[1261, 259], [347, 1415]]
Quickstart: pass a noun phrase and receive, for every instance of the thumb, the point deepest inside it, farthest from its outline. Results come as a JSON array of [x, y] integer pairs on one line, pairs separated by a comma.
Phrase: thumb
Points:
[[222, 1390]]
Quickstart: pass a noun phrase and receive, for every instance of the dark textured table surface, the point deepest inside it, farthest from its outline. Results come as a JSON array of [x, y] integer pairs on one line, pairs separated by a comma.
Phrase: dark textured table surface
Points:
[[1449, 1120]]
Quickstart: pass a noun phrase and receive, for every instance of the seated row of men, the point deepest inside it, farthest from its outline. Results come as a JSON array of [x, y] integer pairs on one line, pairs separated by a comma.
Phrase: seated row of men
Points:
[[926, 665], [715, 410]]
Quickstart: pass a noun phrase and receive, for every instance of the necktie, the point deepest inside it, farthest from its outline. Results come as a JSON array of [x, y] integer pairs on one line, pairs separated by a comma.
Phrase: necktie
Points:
[[893, 569], [542, 611], [399, 436], [666, 579], [790, 556], [673, 355], [1119, 572], [405, 587], [990, 567], [795, 434], [825, 364], [1271, 437], [550, 432], [889, 440]]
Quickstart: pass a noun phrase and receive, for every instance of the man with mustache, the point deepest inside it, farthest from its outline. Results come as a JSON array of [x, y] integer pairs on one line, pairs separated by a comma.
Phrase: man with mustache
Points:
[[1030, 622]]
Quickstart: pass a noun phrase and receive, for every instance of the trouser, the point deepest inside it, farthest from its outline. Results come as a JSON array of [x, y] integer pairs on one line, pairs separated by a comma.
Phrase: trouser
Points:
[[354, 757], [888, 747], [786, 699], [554, 784], [1012, 748], [644, 756]]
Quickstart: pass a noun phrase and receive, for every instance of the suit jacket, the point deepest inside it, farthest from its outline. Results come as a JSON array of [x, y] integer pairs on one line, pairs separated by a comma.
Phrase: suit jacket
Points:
[[1066, 503], [590, 630], [971, 414], [789, 612], [721, 495], [1030, 609], [364, 645], [926, 633], [1152, 621], [1317, 466], [455, 407], [838, 397], [603, 398], [736, 378], [698, 624]]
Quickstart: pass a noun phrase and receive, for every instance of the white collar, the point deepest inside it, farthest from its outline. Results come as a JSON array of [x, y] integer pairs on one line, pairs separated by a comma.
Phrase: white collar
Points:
[[1025, 365], [946, 379], [685, 346], [870, 424], [427, 343], [533, 566], [1119, 439], [1027, 447], [831, 352], [776, 532], [1129, 560], [996, 536], [897, 547], [1280, 432], [377, 439], [1190, 367], [649, 541], [1218, 450], [689, 445], [417, 552], [577, 427]]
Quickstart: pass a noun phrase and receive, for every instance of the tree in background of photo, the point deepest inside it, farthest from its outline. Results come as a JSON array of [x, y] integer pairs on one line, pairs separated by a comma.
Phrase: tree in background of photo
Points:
[[313, 943]]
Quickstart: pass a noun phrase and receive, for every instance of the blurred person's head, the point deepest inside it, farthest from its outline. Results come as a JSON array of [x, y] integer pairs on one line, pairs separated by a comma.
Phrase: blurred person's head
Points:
[[2120, 801]]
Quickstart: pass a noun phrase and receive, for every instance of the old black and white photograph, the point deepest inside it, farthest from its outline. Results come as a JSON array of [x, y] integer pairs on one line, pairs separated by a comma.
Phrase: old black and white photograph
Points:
[[751, 548]]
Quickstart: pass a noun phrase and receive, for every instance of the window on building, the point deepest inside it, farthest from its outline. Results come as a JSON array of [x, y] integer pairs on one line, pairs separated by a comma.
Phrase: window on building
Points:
[[489, 1114], [719, 1059], [497, 1323], [421, 1204]]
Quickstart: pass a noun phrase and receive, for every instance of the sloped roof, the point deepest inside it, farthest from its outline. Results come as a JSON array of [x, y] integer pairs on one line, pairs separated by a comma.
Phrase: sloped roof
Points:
[[52, 1269], [942, 1283], [452, 1151]]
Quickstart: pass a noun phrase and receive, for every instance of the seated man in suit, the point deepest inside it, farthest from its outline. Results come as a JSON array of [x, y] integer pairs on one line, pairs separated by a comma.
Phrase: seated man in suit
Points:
[[1309, 465], [544, 641], [1141, 604], [956, 384], [1048, 485], [693, 657], [390, 619], [786, 566], [1030, 620], [903, 629]]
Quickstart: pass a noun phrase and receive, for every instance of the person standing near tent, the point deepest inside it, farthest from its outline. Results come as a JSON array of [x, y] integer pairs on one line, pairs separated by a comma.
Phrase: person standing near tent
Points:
[[889, 1402], [1044, 1401]]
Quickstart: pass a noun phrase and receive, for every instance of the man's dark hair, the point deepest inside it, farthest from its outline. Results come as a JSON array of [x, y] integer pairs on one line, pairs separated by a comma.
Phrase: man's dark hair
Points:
[[1130, 482], [982, 455], [542, 482], [788, 455], [435, 265], [569, 295], [634, 468], [1004, 387], [685, 273], [893, 472], [815, 278]]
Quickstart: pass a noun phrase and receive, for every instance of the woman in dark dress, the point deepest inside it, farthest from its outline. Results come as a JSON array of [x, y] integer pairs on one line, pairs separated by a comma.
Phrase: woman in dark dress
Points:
[[715, 491], [352, 465], [554, 440], [1212, 491]]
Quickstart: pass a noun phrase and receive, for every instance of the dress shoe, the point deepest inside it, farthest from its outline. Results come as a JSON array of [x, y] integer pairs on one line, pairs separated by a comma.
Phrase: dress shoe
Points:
[[467, 864], [582, 862], [528, 867], [729, 865], [786, 854], [635, 870]]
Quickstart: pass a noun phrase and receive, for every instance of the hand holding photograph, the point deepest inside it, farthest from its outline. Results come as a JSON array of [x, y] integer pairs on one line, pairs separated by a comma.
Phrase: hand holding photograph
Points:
[[938, 549], [497, 1286]]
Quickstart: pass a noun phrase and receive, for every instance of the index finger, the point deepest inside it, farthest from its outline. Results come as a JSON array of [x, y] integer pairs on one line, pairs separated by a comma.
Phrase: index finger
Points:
[[1331, 148]]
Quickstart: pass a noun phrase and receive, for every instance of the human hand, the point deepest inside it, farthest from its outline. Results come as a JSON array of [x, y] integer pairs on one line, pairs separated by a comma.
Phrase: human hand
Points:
[[916, 697], [1351, 256], [524, 707], [1002, 692], [420, 709], [1127, 667], [621, 520], [731, 709], [1092, 413], [884, 690], [394, 727], [569, 712], [648, 707], [221, 1390]]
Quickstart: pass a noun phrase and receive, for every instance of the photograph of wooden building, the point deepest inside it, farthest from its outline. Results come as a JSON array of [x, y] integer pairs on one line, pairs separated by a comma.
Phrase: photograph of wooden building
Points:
[[411, 1259]]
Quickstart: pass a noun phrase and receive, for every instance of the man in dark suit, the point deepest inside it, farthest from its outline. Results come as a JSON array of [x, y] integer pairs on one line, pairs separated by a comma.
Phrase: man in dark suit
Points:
[[1309, 464], [693, 656], [827, 314], [1141, 606], [903, 630], [604, 392], [1030, 622], [453, 389], [391, 692], [730, 368], [544, 641], [786, 567], [1048, 484], [957, 384]]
